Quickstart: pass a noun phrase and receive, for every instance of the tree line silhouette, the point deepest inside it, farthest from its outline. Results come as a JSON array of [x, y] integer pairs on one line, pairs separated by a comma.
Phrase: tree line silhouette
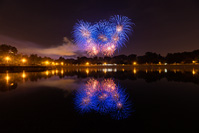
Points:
[[148, 58]]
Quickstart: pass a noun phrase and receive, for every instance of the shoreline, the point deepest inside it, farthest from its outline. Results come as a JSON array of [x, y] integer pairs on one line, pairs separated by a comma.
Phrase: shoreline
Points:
[[4, 69], [188, 67]]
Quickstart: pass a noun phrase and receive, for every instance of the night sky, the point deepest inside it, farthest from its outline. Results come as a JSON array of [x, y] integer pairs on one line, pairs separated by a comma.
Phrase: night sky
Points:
[[44, 27]]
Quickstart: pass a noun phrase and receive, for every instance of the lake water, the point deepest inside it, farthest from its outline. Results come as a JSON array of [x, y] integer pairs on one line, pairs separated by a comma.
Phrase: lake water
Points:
[[100, 100]]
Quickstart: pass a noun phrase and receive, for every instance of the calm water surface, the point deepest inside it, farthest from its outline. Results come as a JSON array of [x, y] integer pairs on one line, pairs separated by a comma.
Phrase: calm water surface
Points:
[[100, 100]]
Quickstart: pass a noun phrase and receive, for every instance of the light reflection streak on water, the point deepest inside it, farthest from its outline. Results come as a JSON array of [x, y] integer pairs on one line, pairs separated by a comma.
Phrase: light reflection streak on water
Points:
[[23, 75], [87, 71], [62, 71], [56, 71], [174, 74], [7, 78], [134, 71], [53, 72], [160, 71], [103, 97], [47, 73], [193, 72]]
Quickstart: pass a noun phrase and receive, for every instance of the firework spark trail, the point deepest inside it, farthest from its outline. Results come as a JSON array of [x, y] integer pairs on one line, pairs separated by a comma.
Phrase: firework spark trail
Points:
[[104, 36]]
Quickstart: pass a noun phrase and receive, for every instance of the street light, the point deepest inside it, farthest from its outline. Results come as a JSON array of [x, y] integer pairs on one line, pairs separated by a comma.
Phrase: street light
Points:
[[134, 63], [87, 63], [194, 62], [53, 63], [7, 58], [47, 62], [23, 61]]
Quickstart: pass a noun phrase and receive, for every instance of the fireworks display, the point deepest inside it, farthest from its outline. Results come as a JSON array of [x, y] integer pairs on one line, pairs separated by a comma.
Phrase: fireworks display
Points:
[[104, 97], [104, 36]]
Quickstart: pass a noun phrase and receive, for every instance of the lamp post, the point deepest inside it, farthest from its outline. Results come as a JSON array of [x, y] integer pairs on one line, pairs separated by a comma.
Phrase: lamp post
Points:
[[7, 58], [23, 61], [47, 62]]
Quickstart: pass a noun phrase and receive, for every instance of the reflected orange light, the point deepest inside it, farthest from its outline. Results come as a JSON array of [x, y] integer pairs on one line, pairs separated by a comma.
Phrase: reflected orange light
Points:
[[104, 70], [7, 78], [146, 71], [62, 71], [23, 74], [174, 70], [159, 70], [87, 71], [47, 73], [53, 72], [56, 71], [134, 71], [193, 72]]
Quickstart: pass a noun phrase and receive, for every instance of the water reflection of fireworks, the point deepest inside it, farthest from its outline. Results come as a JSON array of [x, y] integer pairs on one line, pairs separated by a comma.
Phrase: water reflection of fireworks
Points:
[[103, 97]]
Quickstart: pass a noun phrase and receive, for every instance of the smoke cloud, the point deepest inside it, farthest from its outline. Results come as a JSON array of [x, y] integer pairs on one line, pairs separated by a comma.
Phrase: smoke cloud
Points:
[[66, 49]]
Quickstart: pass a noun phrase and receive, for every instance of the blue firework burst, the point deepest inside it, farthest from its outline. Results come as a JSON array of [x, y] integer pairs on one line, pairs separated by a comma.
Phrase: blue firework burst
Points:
[[82, 33], [122, 27], [123, 106], [102, 32], [96, 38], [104, 103], [83, 102]]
